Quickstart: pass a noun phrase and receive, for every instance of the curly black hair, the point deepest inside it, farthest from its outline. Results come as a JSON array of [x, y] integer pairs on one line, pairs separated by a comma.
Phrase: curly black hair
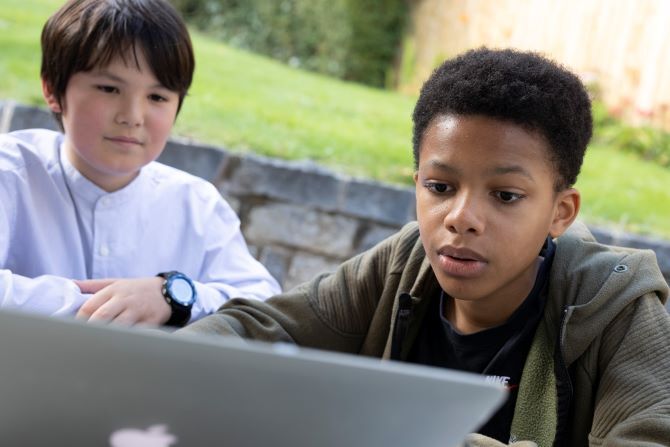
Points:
[[524, 88]]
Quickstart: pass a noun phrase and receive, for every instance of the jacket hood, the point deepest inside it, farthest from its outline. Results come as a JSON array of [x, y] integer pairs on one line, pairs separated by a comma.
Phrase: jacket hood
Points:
[[591, 283]]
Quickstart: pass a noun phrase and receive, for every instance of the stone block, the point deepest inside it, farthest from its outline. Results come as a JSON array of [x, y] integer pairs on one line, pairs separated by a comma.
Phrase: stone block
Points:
[[302, 228], [4, 116], [254, 251], [234, 203], [306, 266], [373, 235], [276, 260], [291, 182], [386, 204], [204, 161], [27, 117]]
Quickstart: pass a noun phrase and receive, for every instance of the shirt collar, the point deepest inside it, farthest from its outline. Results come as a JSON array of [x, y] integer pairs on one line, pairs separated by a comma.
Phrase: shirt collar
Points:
[[89, 192]]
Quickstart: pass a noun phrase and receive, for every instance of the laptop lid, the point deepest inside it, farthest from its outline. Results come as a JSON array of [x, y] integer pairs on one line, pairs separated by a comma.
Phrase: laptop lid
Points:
[[64, 382]]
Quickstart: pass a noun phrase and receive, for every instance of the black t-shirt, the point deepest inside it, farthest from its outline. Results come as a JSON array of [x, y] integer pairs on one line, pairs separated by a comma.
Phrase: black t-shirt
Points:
[[499, 352]]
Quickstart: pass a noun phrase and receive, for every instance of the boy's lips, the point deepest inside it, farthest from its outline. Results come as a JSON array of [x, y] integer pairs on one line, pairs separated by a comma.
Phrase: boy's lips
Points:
[[124, 140], [461, 262]]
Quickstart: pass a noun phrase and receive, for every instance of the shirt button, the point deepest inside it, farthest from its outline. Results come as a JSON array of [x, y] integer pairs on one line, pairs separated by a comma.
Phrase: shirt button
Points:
[[104, 201], [104, 250]]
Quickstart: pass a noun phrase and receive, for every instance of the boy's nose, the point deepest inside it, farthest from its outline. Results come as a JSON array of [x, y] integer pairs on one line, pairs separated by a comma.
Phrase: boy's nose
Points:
[[464, 215], [130, 114]]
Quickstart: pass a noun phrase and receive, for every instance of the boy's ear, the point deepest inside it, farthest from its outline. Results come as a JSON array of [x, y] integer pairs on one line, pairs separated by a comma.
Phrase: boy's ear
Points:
[[565, 211], [50, 98]]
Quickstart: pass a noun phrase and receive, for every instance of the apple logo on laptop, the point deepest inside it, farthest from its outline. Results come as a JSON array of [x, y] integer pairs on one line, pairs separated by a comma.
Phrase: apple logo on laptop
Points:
[[154, 436]]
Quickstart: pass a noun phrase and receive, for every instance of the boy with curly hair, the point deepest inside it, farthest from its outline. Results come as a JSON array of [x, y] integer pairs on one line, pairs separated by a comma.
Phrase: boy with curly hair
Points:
[[496, 277]]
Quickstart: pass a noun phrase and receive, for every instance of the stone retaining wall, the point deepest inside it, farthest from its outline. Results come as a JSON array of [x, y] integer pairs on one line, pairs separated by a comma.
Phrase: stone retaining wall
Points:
[[301, 219]]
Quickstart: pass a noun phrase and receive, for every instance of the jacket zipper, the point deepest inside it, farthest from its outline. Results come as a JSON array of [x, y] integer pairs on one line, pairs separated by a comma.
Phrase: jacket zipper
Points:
[[401, 325], [563, 387]]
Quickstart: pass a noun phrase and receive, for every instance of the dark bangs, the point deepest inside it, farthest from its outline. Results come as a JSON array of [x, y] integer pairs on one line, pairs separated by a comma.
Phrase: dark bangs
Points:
[[87, 34]]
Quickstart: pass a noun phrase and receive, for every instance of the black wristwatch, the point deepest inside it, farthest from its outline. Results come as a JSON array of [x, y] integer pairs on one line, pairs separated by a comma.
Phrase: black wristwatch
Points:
[[179, 292]]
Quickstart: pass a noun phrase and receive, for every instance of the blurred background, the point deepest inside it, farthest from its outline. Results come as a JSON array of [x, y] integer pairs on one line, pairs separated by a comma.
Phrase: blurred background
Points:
[[617, 46], [334, 82]]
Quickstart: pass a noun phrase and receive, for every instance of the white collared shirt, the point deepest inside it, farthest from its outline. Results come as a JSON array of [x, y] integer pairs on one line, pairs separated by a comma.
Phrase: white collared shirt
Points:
[[56, 226]]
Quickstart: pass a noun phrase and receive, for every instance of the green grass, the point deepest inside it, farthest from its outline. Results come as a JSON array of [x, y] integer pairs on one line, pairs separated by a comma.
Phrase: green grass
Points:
[[252, 103], [622, 192], [249, 103], [20, 29]]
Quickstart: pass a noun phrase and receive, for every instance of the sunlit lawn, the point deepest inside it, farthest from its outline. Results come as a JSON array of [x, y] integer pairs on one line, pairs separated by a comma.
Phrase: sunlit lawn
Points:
[[622, 192], [249, 103]]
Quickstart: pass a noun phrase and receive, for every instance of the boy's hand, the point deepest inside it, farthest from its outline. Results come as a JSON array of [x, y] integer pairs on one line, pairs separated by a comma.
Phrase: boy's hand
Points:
[[125, 301]]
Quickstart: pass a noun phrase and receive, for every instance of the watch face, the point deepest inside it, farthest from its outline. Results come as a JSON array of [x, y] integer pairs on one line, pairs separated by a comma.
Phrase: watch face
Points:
[[181, 291]]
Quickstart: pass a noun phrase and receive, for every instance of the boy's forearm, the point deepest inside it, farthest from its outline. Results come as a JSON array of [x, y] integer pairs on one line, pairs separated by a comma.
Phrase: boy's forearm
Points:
[[212, 295], [289, 317], [246, 318], [250, 319], [332, 311]]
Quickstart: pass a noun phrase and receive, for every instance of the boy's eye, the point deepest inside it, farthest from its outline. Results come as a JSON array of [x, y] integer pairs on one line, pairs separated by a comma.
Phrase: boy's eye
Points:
[[508, 197], [437, 187], [107, 89], [157, 98]]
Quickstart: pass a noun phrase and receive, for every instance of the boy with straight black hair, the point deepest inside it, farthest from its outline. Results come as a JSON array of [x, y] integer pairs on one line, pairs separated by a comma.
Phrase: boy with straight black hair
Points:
[[496, 277], [90, 225]]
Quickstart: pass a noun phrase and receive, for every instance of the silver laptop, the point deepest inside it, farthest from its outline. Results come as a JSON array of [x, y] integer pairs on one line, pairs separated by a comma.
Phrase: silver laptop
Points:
[[63, 382]]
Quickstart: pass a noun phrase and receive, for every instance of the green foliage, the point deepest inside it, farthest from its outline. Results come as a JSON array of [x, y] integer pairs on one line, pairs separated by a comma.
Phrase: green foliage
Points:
[[349, 39], [246, 102], [376, 34], [296, 32], [622, 192], [20, 57], [647, 142], [601, 117]]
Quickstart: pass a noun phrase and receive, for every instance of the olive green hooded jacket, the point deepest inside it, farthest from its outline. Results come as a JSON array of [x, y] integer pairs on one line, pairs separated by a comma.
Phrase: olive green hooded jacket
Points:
[[598, 370]]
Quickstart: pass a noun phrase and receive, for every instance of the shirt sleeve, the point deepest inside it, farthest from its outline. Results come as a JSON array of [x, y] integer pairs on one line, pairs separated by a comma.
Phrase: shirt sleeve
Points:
[[47, 294], [228, 269]]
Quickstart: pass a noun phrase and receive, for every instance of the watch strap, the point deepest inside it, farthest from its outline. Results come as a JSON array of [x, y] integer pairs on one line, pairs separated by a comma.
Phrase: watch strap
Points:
[[179, 317]]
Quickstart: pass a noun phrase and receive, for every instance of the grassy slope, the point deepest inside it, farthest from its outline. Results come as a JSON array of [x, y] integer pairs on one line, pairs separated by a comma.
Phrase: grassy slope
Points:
[[246, 102], [621, 191]]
